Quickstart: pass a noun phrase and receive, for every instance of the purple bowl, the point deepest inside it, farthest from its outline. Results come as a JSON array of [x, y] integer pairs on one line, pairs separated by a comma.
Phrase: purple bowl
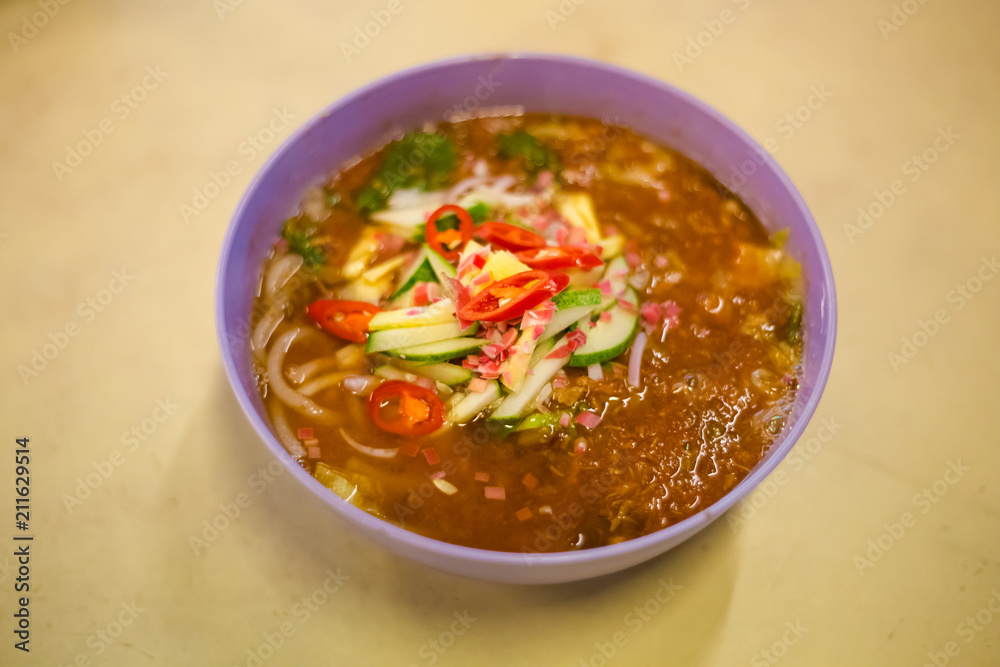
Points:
[[542, 83]]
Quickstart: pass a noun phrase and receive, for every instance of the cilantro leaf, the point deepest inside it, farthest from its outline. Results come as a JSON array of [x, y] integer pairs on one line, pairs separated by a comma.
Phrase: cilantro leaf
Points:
[[536, 156], [422, 160], [298, 232]]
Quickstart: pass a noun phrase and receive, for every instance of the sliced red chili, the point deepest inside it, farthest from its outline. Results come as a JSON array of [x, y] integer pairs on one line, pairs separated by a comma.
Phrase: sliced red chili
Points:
[[448, 242], [509, 237], [509, 298], [405, 408], [346, 319], [552, 258]]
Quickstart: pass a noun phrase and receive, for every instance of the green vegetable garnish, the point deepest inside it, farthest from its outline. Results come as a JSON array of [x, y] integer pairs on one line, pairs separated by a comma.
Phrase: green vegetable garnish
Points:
[[536, 156], [795, 323], [299, 232], [420, 160], [479, 212]]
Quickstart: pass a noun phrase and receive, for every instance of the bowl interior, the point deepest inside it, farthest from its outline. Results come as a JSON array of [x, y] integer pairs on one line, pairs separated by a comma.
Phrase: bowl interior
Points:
[[362, 120]]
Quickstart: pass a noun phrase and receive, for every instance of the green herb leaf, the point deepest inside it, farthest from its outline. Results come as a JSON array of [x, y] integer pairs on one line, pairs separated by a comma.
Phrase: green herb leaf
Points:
[[535, 155], [298, 232], [422, 160], [795, 323], [479, 212]]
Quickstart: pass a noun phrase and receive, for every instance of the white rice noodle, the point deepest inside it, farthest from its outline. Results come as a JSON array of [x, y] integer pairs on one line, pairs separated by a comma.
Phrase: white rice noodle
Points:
[[275, 379], [635, 359], [284, 433], [313, 387], [301, 373], [262, 333], [280, 272], [370, 451]]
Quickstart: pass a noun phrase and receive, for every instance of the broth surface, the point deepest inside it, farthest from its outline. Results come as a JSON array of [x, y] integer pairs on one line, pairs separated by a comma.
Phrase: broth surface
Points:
[[718, 372]]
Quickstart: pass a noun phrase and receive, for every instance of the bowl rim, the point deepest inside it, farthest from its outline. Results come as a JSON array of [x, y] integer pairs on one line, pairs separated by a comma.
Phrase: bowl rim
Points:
[[430, 547]]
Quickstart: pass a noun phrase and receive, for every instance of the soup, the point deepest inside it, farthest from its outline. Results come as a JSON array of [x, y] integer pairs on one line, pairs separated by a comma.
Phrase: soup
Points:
[[527, 332]]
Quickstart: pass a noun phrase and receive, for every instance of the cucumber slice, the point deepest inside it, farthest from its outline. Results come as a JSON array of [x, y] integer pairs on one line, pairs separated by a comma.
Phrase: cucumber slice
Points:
[[516, 403], [420, 272], [608, 339], [439, 351], [561, 319], [392, 373], [436, 313], [542, 347], [441, 267], [539, 420], [449, 374], [391, 339], [474, 402], [573, 298]]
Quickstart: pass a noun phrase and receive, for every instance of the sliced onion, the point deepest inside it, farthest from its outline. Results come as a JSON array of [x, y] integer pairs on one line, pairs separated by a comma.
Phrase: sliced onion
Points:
[[370, 451], [358, 384], [280, 272], [284, 433], [414, 198], [465, 185], [635, 359], [595, 372], [276, 380]]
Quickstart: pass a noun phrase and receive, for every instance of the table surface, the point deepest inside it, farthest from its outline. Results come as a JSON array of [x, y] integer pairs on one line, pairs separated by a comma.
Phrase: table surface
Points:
[[877, 542]]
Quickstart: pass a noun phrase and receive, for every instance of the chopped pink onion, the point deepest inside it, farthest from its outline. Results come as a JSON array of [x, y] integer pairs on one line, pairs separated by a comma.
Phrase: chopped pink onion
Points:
[[370, 451], [562, 234], [595, 372], [495, 492], [438, 475], [564, 418], [314, 453], [482, 476], [605, 287], [559, 352], [635, 359], [305, 433], [574, 339], [576, 235], [478, 385], [588, 419], [426, 383], [671, 314]]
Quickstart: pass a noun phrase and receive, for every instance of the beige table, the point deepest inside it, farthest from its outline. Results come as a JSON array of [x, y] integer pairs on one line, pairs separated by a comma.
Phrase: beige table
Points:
[[876, 543]]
